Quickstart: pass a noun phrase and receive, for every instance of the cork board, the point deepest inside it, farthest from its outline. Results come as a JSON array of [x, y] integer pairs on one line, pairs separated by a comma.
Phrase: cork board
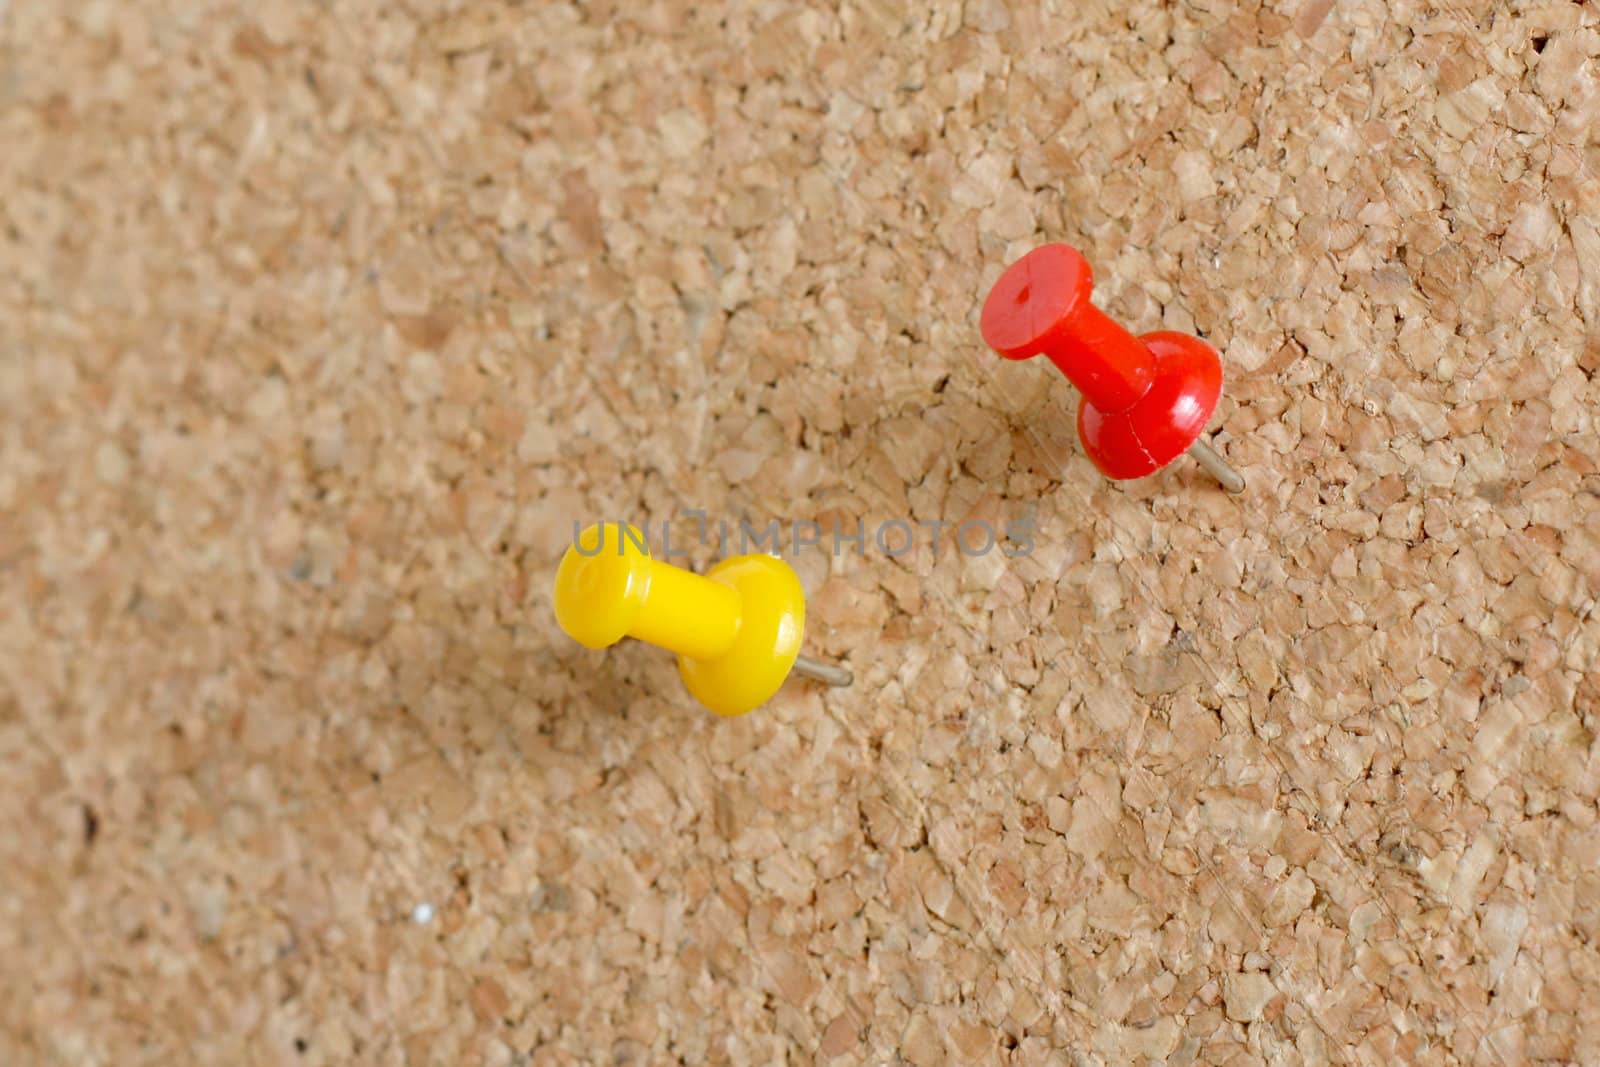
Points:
[[322, 322]]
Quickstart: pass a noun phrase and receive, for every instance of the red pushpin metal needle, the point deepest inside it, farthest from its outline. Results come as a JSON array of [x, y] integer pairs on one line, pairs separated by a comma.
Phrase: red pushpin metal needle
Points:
[[1146, 399]]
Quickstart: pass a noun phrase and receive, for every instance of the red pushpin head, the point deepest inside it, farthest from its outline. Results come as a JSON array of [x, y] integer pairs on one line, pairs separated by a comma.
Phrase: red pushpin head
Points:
[[1146, 400]]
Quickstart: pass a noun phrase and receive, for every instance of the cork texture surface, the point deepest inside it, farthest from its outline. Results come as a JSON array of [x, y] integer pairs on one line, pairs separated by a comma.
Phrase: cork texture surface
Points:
[[322, 322]]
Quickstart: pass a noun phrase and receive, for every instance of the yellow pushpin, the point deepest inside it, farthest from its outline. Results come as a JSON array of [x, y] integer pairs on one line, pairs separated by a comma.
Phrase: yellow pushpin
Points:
[[736, 630]]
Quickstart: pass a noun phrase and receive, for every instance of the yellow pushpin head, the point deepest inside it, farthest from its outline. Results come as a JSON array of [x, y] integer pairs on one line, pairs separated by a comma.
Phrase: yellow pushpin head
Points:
[[600, 593], [771, 626], [736, 631]]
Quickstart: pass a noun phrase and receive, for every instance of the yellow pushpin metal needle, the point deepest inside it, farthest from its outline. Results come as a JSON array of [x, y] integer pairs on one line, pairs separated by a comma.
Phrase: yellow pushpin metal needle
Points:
[[736, 630]]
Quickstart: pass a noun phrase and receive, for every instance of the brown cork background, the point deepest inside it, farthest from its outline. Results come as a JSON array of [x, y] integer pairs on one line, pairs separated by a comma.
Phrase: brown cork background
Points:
[[321, 321]]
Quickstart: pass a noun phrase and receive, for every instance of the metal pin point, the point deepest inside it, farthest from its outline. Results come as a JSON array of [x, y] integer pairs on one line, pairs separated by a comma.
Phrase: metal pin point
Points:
[[827, 673], [1217, 467]]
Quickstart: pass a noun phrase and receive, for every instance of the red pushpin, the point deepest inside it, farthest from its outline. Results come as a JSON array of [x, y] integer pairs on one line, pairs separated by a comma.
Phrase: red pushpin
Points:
[[1146, 400]]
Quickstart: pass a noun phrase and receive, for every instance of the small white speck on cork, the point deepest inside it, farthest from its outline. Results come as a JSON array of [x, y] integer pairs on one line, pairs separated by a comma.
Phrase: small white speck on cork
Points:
[[422, 914]]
